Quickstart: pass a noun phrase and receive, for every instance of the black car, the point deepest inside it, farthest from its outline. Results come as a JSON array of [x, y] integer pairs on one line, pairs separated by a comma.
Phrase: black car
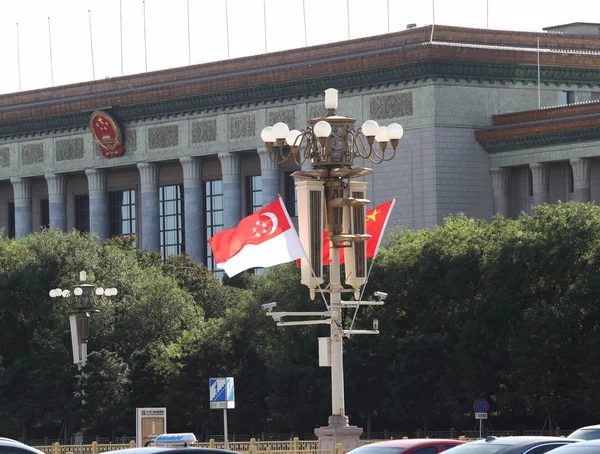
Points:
[[511, 445]]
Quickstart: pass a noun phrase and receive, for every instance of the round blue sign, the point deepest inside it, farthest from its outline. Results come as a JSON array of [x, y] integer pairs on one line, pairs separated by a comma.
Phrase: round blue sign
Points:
[[481, 406]]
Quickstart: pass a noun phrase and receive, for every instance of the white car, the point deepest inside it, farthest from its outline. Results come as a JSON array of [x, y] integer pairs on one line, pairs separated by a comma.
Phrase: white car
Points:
[[9, 446], [582, 447], [586, 433]]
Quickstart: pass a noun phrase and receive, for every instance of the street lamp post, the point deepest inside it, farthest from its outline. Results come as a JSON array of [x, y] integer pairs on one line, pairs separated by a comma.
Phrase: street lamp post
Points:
[[81, 301], [330, 199]]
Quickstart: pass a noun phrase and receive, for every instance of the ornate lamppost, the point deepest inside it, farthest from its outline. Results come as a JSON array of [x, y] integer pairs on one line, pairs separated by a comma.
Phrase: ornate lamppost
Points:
[[81, 301], [329, 198]]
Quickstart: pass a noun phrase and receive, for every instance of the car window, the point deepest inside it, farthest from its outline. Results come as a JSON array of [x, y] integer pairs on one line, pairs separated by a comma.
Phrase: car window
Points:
[[476, 447], [544, 448], [426, 450], [447, 447], [13, 450], [586, 434], [367, 449]]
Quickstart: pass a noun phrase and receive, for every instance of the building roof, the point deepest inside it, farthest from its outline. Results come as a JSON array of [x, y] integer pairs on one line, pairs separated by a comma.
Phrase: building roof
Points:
[[572, 24], [395, 58]]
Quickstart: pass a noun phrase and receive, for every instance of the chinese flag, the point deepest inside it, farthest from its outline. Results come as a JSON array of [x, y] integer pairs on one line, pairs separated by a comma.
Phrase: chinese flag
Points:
[[377, 219], [265, 238]]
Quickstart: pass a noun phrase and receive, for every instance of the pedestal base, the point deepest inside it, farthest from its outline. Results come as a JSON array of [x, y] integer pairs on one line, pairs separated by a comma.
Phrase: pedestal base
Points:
[[338, 431]]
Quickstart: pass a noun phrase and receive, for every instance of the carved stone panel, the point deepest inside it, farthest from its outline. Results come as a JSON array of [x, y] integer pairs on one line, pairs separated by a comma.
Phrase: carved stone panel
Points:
[[287, 116], [391, 106], [67, 149], [4, 157], [163, 137], [32, 153], [242, 126], [316, 111], [130, 140], [204, 131]]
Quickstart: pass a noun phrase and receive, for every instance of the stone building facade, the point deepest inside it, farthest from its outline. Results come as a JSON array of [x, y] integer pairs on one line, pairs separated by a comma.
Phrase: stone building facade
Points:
[[476, 140]]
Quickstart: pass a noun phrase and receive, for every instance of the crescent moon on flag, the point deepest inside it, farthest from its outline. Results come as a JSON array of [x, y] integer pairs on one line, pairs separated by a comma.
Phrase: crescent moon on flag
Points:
[[273, 219]]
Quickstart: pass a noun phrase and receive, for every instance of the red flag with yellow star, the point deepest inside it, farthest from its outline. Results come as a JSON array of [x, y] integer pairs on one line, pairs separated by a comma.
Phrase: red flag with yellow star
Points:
[[377, 219]]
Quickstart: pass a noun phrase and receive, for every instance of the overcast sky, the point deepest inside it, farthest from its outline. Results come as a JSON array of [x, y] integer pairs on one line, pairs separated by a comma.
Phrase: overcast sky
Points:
[[166, 28]]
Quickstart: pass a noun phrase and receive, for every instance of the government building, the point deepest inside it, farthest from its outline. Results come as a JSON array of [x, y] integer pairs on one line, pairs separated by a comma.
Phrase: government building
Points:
[[494, 122]]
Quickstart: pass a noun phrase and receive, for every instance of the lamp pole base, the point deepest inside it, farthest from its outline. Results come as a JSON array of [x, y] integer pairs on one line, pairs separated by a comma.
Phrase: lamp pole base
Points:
[[338, 431]]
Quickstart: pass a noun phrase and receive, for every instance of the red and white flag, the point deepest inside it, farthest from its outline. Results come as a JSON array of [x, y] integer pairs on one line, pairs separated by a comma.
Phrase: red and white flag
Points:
[[265, 238]]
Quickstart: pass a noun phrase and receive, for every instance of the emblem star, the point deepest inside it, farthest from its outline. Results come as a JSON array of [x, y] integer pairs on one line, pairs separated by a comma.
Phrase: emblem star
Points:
[[264, 224], [257, 235], [257, 223], [373, 216]]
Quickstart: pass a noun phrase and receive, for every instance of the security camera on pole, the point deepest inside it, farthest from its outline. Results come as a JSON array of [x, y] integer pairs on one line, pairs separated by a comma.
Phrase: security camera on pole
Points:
[[330, 199]]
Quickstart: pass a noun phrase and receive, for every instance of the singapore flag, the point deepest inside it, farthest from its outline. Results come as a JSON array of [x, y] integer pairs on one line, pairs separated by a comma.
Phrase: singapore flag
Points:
[[265, 238]]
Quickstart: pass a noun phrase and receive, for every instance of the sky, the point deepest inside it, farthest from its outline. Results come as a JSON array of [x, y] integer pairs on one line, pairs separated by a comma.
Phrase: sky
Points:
[[48, 42]]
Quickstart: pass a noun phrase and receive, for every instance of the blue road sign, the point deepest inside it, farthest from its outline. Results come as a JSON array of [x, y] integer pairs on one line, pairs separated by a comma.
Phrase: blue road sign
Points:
[[481, 406], [221, 392]]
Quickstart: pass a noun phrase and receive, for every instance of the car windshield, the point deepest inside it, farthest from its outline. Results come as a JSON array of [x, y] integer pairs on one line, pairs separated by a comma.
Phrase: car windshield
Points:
[[378, 450], [479, 448], [586, 434]]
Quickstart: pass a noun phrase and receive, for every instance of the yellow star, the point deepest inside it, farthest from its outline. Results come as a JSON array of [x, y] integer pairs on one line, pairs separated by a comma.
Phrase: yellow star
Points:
[[373, 216]]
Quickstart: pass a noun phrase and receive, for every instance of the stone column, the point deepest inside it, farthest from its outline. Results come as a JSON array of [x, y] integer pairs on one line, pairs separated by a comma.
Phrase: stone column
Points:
[[540, 180], [500, 178], [23, 214], [193, 198], [99, 215], [150, 235], [270, 177], [581, 179], [232, 189], [57, 200]]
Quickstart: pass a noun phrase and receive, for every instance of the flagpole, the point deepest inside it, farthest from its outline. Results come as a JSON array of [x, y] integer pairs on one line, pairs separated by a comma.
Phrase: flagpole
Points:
[[50, 50], [145, 48], [18, 57], [304, 16], [91, 45], [265, 22], [189, 34], [348, 15], [121, 31], [388, 14], [227, 27]]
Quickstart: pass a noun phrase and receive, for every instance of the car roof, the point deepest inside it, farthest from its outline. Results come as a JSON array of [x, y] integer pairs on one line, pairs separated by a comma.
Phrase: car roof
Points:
[[17, 444], [524, 440], [595, 426], [171, 450], [408, 442], [580, 444]]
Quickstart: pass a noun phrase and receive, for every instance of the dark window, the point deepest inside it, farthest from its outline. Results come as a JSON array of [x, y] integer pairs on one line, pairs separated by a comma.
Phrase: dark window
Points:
[[44, 214], [427, 450], [291, 202], [545, 448], [530, 182], [213, 221], [171, 220], [10, 233], [253, 194], [82, 212], [122, 213], [566, 97]]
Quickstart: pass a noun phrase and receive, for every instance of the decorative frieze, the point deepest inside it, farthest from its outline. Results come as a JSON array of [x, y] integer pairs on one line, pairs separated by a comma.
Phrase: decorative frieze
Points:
[[67, 149], [242, 126], [317, 111], [32, 153], [130, 140], [204, 131], [287, 116], [163, 137], [391, 106], [4, 157]]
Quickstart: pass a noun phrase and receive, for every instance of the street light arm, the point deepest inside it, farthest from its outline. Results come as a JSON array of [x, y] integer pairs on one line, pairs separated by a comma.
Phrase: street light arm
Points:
[[305, 322]]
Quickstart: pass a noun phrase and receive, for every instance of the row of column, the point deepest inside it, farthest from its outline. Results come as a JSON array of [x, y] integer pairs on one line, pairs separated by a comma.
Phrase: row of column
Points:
[[540, 175], [149, 238]]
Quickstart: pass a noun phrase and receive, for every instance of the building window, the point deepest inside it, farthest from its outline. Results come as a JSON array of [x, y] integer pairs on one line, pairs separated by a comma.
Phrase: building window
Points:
[[10, 233], [213, 221], [44, 214], [171, 220], [122, 213], [82, 212], [571, 181], [566, 97], [291, 202], [253, 194]]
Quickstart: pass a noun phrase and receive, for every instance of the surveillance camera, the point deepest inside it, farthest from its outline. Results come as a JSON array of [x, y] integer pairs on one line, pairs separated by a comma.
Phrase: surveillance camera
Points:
[[269, 306], [381, 296], [375, 324]]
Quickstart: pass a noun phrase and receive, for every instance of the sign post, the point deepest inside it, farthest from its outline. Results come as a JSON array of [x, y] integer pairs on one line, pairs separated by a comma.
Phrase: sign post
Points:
[[481, 407], [222, 395]]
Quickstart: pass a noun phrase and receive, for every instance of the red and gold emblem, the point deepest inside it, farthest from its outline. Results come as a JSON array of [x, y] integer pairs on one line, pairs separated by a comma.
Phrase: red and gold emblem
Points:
[[107, 134]]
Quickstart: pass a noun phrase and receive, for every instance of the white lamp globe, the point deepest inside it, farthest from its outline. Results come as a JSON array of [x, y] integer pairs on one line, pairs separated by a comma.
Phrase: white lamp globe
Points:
[[395, 131], [322, 129], [280, 130], [292, 136], [370, 128], [113, 291], [51, 293], [267, 135], [99, 291], [78, 291], [65, 293], [382, 135]]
